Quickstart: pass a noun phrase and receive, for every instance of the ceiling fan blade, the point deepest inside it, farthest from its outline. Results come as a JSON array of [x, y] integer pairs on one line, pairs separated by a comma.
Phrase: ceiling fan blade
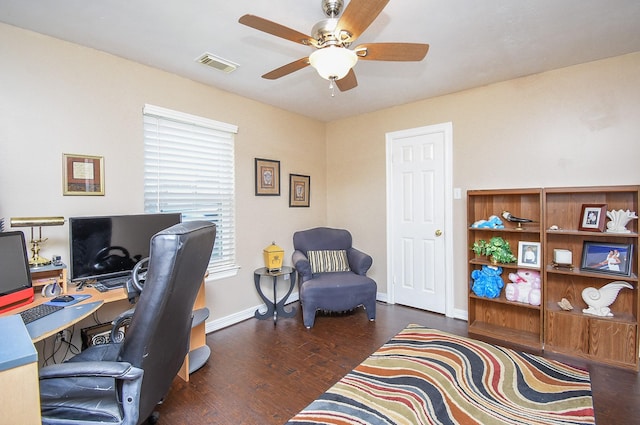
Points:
[[357, 17], [287, 69], [405, 52], [278, 30], [347, 82]]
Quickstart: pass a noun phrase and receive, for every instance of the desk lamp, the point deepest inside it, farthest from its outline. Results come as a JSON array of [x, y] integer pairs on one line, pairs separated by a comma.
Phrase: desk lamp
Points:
[[36, 260]]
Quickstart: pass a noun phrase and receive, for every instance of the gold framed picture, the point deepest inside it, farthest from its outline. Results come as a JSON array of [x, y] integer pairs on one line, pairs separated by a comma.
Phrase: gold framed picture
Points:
[[299, 190], [267, 177], [82, 175]]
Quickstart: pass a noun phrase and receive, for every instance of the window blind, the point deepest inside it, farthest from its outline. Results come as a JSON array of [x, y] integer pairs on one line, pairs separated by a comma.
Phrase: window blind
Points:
[[189, 168]]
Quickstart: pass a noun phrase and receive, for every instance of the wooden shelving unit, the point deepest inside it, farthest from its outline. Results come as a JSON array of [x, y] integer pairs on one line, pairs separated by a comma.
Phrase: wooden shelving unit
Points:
[[199, 351], [44, 275], [498, 318], [610, 340]]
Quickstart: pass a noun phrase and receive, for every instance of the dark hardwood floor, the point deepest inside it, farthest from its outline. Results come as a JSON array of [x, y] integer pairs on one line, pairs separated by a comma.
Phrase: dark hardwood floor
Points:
[[263, 374]]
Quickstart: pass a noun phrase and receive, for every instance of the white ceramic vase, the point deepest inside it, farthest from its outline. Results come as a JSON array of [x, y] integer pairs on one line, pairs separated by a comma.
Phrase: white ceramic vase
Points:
[[619, 220]]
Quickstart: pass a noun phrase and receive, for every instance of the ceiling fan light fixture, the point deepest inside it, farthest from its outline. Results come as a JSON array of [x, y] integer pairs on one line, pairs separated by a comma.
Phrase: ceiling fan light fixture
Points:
[[333, 63]]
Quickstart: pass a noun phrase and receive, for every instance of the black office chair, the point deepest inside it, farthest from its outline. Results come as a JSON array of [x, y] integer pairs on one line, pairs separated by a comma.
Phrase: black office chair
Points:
[[122, 383]]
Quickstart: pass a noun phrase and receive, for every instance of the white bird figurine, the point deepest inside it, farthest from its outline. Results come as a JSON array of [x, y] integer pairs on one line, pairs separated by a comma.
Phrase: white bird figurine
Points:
[[599, 300]]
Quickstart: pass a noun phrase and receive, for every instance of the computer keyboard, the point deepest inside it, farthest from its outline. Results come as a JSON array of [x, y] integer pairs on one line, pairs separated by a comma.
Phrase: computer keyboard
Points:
[[38, 312], [104, 285]]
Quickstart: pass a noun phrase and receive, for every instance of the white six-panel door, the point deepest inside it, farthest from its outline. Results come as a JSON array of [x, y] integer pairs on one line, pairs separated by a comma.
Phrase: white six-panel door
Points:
[[418, 194]]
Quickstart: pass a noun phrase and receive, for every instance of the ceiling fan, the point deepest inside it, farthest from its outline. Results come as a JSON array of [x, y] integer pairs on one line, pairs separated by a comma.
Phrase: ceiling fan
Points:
[[332, 37]]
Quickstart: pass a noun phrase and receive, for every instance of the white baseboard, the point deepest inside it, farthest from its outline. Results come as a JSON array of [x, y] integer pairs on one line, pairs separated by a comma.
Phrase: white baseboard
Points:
[[461, 314], [240, 316], [457, 313]]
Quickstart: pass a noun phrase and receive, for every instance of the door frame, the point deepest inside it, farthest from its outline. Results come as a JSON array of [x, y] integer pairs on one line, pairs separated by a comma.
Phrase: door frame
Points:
[[447, 129]]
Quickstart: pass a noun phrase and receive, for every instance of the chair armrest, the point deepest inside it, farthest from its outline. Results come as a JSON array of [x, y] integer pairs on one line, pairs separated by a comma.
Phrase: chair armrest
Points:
[[117, 370], [122, 319], [359, 262], [131, 378], [302, 266]]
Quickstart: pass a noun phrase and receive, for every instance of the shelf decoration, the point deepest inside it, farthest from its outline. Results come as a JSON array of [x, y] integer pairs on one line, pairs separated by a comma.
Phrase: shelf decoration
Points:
[[604, 257], [529, 254], [497, 249], [565, 304], [599, 300], [493, 222], [592, 217], [524, 287], [619, 220], [513, 219], [487, 281], [562, 258]]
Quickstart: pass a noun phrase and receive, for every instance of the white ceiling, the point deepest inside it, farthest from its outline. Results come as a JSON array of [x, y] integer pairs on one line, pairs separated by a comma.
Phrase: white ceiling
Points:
[[473, 43]]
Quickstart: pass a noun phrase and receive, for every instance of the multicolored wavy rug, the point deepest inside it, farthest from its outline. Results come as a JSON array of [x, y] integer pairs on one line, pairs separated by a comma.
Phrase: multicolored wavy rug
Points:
[[425, 376]]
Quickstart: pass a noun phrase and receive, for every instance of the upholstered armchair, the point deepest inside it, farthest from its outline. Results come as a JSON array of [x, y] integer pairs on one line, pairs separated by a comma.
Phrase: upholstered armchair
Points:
[[331, 273]]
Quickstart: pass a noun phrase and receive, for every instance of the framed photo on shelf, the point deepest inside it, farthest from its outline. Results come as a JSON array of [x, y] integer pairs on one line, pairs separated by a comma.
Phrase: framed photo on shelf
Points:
[[267, 177], [529, 254], [299, 190], [82, 175], [593, 217], [605, 257]]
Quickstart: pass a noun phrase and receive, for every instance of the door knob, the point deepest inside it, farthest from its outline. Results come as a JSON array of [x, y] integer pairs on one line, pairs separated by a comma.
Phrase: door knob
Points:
[[438, 232]]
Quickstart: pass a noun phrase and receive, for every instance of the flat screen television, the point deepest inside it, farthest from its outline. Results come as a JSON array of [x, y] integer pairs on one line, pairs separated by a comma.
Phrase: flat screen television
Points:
[[109, 247], [15, 275]]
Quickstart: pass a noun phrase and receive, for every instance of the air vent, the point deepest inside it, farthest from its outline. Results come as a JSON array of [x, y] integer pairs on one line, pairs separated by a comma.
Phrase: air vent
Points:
[[217, 63]]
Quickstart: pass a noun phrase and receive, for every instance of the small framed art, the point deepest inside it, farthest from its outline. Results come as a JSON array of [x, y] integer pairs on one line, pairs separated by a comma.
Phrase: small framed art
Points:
[[82, 174], [299, 190], [267, 177], [605, 257], [593, 217], [528, 254]]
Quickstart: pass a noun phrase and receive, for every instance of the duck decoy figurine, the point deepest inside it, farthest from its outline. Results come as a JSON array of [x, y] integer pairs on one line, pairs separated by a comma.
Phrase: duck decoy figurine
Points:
[[513, 219]]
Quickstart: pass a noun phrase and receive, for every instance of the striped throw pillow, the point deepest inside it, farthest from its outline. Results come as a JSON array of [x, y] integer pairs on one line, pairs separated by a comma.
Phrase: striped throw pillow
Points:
[[328, 261]]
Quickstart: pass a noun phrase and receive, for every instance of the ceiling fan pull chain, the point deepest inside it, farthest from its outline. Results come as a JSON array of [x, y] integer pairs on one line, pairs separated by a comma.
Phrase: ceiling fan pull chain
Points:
[[332, 86]]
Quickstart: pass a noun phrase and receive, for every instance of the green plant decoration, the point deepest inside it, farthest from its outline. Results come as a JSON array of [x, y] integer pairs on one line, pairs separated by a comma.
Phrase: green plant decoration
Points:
[[479, 247], [497, 248]]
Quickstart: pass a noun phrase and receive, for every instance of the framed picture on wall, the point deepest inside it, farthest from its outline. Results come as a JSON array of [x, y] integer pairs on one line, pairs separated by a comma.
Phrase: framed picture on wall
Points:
[[82, 174], [267, 177], [299, 190]]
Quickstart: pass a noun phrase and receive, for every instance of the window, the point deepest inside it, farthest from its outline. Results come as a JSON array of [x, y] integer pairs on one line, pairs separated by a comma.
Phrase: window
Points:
[[189, 168]]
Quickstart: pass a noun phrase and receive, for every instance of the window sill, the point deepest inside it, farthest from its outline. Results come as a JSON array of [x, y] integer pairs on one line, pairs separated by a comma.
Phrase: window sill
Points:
[[223, 273]]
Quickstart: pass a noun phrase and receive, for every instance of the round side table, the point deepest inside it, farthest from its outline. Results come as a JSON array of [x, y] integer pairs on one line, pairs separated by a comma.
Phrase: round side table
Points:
[[275, 308]]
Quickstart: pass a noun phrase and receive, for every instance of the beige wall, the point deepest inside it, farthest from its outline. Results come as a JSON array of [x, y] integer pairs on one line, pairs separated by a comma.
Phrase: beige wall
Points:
[[570, 127], [57, 97], [573, 126]]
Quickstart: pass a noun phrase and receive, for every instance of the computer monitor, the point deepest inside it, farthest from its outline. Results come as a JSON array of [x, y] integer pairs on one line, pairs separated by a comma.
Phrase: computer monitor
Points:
[[108, 247], [15, 277]]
